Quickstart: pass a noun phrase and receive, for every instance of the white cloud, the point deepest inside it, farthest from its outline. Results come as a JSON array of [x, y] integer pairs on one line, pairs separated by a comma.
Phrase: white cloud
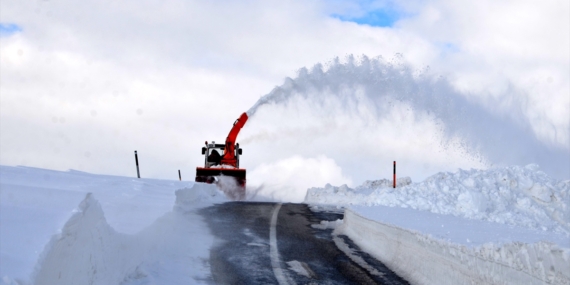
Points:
[[514, 52]]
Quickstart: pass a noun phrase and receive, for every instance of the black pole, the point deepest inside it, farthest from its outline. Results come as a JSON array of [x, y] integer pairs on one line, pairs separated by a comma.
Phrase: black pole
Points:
[[137, 161], [179, 176]]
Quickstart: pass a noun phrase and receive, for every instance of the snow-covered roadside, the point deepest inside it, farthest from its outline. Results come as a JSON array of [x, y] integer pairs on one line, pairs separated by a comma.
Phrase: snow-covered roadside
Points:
[[37, 204], [502, 226], [423, 259], [173, 250], [519, 196]]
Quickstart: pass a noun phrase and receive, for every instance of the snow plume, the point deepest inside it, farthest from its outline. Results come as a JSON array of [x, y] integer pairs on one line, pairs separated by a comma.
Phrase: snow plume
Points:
[[289, 179], [230, 186], [363, 113]]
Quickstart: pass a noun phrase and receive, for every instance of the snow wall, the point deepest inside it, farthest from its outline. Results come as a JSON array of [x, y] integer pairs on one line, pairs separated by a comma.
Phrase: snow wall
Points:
[[421, 259], [89, 251]]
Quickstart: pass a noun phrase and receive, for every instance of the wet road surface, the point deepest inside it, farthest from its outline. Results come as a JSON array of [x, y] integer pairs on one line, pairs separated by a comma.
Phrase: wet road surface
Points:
[[269, 243]]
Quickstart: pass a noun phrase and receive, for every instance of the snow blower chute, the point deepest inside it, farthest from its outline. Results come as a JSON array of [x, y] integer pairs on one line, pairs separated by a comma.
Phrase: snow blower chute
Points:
[[223, 159]]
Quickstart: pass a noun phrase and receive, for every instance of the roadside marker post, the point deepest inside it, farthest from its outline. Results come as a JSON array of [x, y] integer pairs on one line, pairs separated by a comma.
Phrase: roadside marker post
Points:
[[394, 174], [137, 162]]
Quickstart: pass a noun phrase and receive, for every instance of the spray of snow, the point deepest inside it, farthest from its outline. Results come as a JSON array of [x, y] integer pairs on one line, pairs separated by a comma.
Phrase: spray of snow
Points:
[[365, 113], [289, 179], [231, 188]]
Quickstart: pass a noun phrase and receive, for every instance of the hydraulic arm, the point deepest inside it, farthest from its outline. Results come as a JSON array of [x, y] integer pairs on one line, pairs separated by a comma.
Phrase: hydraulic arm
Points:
[[229, 151]]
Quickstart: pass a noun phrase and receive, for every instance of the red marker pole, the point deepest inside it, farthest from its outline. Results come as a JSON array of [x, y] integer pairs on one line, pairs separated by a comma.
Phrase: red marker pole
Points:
[[394, 174]]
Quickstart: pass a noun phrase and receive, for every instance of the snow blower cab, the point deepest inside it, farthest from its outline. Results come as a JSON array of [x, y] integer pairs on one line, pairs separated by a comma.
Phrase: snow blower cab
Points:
[[223, 159]]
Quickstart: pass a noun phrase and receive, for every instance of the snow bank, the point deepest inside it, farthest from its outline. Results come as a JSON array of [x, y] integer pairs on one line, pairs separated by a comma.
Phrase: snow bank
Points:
[[520, 196], [422, 259], [450, 228], [386, 183], [36, 203], [89, 251]]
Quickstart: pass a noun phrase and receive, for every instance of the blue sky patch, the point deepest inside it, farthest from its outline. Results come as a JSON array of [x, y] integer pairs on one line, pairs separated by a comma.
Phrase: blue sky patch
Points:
[[448, 47], [7, 29], [377, 18]]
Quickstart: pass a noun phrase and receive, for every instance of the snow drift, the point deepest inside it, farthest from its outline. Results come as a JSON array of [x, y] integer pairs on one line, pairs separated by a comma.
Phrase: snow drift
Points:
[[520, 196], [89, 251]]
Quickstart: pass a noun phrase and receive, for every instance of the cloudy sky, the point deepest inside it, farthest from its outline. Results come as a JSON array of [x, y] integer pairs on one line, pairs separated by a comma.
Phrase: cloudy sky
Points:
[[85, 83]]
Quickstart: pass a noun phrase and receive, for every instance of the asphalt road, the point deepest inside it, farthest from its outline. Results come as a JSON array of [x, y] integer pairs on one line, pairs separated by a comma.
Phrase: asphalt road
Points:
[[269, 243]]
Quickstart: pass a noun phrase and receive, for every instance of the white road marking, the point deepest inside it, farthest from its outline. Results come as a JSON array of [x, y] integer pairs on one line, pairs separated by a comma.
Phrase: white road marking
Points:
[[273, 251]]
